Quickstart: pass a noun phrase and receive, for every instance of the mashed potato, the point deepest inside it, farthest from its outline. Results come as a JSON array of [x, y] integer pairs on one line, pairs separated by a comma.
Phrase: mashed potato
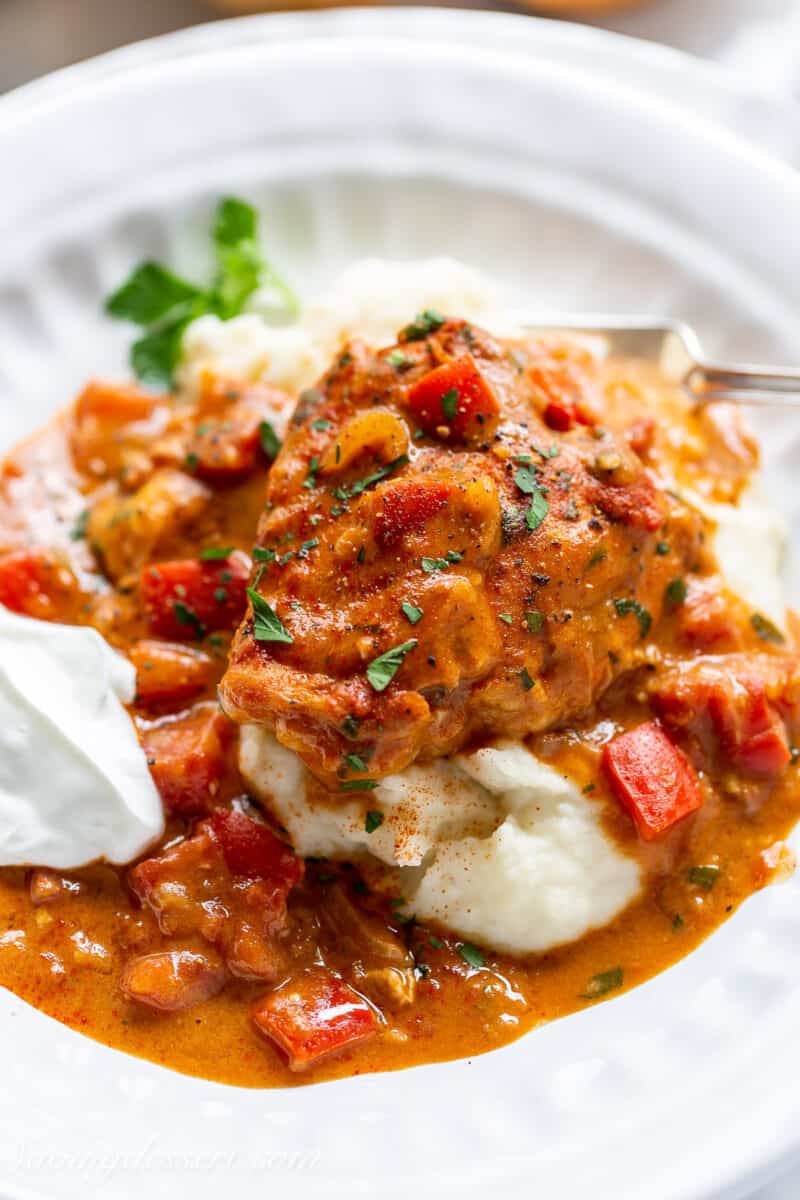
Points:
[[494, 845]]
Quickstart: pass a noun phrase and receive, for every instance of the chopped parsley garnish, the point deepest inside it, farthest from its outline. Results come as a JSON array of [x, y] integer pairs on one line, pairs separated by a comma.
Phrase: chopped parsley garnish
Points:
[[454, 556], [471, 955], [191, 461], [311, 544], [187, 616], [677, 922], [547, 452], [675, 592], [435, 943], [216, 553], [411, 612], [361, 485], [358, 785], [398, 360], [662, 548], [766, 630], [269, 439], [506, 617], [220, 595], [703, 877], [626, 606], [597, 556], [526, 680], [602, 984], [310, 480], [78, 530], [267, 626], [534, 620], [351, 726], [537, 512], [355, 762], [373, 820], [321, 423], [450, 404], [526, 481], [428, 321], [429, 565], [163, 304], [382, 670], [262, 555]]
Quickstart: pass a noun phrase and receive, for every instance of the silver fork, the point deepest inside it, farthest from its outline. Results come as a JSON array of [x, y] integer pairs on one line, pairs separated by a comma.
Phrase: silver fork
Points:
[[676, 348]]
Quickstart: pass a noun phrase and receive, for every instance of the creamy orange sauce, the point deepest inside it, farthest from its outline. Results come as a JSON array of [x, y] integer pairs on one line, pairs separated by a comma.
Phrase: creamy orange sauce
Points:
[[65, 953]]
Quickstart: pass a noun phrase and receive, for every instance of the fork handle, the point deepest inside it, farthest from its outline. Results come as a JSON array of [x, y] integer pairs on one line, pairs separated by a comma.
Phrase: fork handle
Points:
[[759, 386]]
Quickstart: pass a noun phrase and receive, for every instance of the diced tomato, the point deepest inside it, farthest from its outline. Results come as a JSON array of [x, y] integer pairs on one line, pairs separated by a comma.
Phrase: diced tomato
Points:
[[313, 1016], [227, 440], [751, 731], [706, 619], [186, 598], [168, 674], [173, 980], [36, 583], [563, 388], [187, 758], [560, 414], [744, 701], [652, 779], [405, 507], [455, 396], [251, 849]]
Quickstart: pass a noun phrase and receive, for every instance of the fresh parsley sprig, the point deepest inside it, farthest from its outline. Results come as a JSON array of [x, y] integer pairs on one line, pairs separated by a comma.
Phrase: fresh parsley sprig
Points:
[[163, 304]]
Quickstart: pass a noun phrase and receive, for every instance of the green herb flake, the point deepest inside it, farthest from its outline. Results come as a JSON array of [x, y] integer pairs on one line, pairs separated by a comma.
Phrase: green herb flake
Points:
[[150, 294], [626, 606], [537, 512], [766, 630], [548, 452], [526, 680], [321, 424], [187, 616], [373, 819], [216, 553], [598, 555], [449, 404], [602, 984], [355, 762], [220, 595], [704, 878], [267, 626], [382, 670], [425, 323], [78, 531], [454, 556], [506, 617], [361, 485], [310, 480], [351, 727], [526, 481], [471, 955], [411, 612], [675, 592], [398, 360], [678, 922], [430, 565], [435, 943], [270, 443], [662, 549], [262, 555], [534, 620]]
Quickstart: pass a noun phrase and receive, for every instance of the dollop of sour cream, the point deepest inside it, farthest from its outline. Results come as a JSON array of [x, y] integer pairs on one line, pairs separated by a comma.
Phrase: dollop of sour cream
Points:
[[74, 783]]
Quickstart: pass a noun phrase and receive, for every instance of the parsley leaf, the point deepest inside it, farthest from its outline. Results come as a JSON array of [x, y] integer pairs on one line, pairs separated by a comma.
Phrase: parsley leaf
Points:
[[534, 620], [382, 670], [624, 607], [428, 321], [78, 531], [262, 555], [270, 443], [449, 404], [766, 630], [355, 762], [704, 877], [471, 954], [526, 680], [675, 592], [150, 294], [358, 785], [267, 626], [215, 553], [537, 512], [373, 821], [602, 984], [236, 221], [411, 611], [155, 356], [351, 726], [526, 481], [187, 616]]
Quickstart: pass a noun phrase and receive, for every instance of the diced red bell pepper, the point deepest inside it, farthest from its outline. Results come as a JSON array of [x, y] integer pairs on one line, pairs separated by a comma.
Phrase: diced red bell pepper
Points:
[[560, 414], [251, 849], [187, 758], [36, 583], [455, 397], [313, 1016], [187, 598], [227, 440], [652, 779], [168, 674], [405, 507]]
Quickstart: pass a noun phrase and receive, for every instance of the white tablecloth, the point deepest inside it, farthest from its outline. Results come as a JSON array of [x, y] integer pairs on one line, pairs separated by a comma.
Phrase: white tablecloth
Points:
[[758, 39]]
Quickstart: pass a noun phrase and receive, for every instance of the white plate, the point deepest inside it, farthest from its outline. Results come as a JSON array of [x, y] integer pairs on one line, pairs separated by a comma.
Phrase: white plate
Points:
[[403, 138]]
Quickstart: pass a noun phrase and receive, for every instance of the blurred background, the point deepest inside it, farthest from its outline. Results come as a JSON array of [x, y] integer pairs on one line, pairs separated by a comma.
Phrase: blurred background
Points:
[[759, 39]]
